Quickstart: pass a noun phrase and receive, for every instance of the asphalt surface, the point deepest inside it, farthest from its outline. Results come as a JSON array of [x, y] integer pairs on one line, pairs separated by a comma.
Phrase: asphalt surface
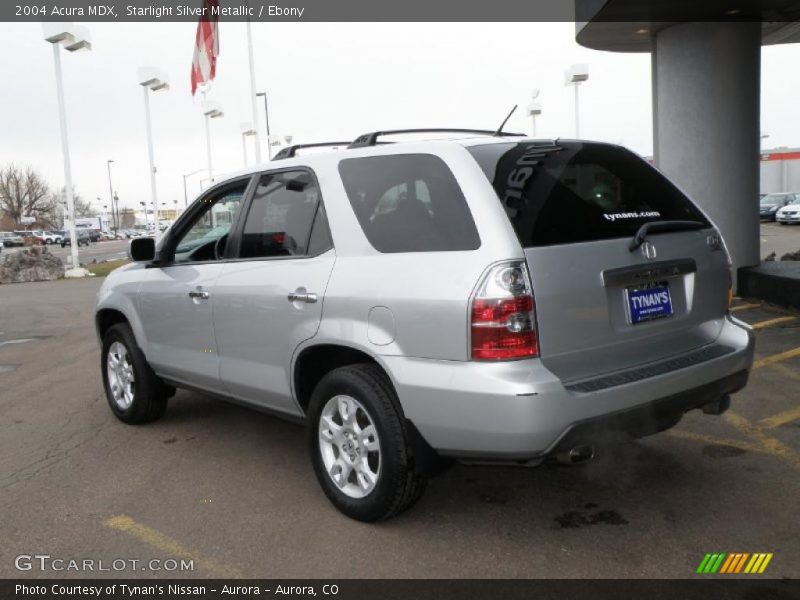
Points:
[[233, 490], [780, 239]]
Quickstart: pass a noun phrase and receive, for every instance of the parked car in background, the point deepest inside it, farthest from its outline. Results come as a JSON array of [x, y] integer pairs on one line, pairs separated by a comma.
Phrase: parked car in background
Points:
[[788, 214], [82, 237], [770, 204], [492, 299], [10, 239], [95, 235], [29, 238], [49, 237]]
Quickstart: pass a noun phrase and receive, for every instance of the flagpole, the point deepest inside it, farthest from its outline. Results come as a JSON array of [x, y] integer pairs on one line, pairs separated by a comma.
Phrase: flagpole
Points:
[[208, 140], [253, 89]]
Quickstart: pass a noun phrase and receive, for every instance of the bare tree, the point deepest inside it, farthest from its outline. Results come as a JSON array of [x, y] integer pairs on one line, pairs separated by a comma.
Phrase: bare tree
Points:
[[23, 192], [127, 218]]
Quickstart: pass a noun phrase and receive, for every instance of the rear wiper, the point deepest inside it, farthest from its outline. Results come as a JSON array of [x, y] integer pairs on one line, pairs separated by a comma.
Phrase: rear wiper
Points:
[[653, 226]]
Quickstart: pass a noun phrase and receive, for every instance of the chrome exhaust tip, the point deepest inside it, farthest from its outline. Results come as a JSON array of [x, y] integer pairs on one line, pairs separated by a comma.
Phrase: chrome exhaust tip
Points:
[[718, 406], [576, 455]]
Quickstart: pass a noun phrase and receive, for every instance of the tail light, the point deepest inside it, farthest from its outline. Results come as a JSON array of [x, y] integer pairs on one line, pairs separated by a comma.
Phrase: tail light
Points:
[[502, 320], [730, 285]]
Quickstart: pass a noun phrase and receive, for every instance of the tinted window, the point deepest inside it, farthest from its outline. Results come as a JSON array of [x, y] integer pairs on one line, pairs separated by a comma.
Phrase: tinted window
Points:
[[409, 203], [206, 238], [281, 215], [578, 192], [320, 240]]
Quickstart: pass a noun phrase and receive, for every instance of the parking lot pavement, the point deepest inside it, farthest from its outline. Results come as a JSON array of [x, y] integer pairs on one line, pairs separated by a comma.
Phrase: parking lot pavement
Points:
[[233, 490], [95, 252], [780, 239]]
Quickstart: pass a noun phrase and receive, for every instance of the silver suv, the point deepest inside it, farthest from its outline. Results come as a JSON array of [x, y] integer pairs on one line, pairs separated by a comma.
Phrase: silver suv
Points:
[[488, 299]]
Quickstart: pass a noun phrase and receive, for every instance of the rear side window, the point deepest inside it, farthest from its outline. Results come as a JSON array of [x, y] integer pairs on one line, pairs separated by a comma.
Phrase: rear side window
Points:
[[578, 192], [409, 203]]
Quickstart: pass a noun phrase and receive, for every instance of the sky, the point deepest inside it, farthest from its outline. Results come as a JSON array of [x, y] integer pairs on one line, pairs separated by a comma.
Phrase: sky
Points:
[[326, 81]]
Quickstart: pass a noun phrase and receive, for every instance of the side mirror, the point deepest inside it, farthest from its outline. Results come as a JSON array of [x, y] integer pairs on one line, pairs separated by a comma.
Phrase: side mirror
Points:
[[142, 249]]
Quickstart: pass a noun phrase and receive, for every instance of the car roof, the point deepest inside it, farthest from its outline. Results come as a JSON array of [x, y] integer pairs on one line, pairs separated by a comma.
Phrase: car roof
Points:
[[308, 159]]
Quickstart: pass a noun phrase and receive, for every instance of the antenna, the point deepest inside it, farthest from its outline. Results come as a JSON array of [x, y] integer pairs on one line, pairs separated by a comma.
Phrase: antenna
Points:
[[503, 124]]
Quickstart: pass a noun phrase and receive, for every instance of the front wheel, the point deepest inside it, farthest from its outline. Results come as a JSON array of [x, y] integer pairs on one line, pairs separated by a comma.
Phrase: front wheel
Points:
[[359, 444], [134, 392]]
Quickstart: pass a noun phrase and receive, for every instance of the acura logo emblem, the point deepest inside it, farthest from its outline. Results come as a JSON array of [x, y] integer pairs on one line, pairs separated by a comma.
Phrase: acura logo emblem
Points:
[[648, 251]]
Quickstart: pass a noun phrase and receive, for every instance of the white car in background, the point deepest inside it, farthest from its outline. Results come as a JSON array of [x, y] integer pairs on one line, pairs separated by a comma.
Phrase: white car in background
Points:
[[788, 214]]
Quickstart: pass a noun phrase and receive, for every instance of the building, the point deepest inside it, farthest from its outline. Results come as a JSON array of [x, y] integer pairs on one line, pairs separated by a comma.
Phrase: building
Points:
[[780, 170]]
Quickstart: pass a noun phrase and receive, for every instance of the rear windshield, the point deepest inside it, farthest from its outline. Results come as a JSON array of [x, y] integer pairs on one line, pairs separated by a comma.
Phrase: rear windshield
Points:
[[579, 192], [409, 203]]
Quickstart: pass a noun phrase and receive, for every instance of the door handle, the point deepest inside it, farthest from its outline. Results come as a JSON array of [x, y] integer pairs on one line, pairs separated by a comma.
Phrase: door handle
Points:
[[307, 298], [202, 295]]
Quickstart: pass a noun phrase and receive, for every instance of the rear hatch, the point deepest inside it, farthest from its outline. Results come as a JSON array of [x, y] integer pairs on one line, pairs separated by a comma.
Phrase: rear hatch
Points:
[[603, 302]]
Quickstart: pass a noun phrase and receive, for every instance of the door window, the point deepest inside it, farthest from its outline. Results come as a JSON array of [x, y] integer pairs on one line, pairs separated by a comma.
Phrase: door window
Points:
[[281, 216], [206, 238]]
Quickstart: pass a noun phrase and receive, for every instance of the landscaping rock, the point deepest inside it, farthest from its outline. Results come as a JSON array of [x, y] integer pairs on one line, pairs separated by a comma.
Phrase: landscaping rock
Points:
[[791, 256], [78, 273], [35, 263]]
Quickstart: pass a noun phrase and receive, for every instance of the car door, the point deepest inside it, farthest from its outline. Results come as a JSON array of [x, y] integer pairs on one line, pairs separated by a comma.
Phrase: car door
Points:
[[175, 299], [269, 298]]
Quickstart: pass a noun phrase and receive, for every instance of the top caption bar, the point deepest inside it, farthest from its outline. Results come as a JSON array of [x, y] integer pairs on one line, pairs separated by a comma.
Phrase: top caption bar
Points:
[[387, 10]]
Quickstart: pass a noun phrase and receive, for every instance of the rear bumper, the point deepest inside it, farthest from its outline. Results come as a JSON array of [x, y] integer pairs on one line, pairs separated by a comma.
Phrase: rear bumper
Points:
[[520, 410]]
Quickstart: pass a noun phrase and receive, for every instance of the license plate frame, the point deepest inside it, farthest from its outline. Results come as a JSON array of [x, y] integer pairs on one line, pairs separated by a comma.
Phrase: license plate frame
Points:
[[654, 302]]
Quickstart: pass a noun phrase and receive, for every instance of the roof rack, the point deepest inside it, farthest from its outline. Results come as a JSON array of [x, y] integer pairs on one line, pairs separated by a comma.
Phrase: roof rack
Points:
[[290, 151], [371, 139]]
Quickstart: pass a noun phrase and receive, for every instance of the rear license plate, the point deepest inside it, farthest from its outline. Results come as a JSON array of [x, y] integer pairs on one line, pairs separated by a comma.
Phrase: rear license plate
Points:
[[647, 303]]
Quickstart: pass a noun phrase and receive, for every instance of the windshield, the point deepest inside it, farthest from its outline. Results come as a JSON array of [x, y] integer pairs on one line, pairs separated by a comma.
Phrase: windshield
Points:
[[774, 198]]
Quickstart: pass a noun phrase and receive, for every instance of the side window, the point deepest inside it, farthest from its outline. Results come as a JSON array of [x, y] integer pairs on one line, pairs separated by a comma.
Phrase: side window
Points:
[[281, 216], [206, 238], [409, 203], [321, 240]]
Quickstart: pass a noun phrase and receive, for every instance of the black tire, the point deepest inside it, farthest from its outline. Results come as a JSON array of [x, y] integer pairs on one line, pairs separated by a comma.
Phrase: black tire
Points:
[[150, 393], [399, 485]]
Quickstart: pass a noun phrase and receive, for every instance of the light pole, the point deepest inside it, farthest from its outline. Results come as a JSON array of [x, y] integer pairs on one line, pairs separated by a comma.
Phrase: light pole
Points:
[[576, 75], [248, 129], [111, 195], [146, 220], [211, 110], [254, 115], [73, 39], [152, 80], [534, 109], [266, 120], [118, 220], [185, 194]]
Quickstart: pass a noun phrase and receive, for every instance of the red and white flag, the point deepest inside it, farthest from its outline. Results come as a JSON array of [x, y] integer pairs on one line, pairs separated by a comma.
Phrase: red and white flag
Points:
[[206, 45]]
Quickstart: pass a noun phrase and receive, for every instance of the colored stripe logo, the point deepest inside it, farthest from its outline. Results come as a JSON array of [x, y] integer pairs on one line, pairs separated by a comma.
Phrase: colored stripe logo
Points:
[[734, 562]]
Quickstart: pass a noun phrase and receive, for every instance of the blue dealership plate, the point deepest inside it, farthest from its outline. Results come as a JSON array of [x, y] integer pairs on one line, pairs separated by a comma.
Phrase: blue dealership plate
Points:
[[646, 303]]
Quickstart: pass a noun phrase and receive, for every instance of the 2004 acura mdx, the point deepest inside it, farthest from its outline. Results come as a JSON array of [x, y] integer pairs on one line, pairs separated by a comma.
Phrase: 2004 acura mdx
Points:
[[490, 298]]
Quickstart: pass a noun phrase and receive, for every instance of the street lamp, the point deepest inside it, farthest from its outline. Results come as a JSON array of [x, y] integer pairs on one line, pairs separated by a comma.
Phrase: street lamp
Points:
[[576, 75], [534, 109], [146, 220], [247, 129], [211, 110], [73, 39], [152, 80], [114, 216], [185, 195], [266, 117]]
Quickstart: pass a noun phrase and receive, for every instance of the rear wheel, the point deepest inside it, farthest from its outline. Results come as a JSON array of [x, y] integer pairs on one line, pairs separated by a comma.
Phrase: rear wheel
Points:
[[134, 392], [359, 444]]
